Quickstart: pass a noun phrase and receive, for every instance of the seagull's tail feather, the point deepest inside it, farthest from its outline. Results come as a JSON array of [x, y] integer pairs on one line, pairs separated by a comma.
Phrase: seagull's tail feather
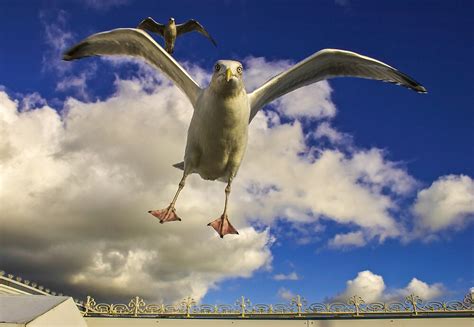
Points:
[[179, 165]]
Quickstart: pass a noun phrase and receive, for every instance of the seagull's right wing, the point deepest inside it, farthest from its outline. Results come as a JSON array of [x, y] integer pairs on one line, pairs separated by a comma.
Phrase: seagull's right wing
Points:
[[136, 43], [149, 24]]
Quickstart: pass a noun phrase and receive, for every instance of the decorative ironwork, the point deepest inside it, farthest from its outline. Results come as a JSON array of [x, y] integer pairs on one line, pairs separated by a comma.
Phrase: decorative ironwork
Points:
[[298, 307], [355, 307]]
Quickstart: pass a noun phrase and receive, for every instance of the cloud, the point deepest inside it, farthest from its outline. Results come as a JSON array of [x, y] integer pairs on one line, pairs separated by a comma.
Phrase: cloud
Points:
[[77, 185], [57, 39], [324, 130], [447, 203], [349, 240], [367, 285], [371, 288], [422, 289], [291, 276], [102, 5], [285, 294]]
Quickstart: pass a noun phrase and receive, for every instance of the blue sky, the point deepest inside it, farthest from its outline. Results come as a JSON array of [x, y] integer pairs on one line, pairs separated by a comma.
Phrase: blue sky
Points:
[[422, 144]]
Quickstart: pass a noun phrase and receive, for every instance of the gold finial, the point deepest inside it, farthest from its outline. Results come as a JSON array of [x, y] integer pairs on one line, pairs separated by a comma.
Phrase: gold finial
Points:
[[356, 301]]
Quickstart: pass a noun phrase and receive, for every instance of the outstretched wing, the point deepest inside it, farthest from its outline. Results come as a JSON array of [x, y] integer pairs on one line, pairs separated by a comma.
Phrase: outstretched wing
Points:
[[327, 63], [136, 43], [150, 25], [193, 25]]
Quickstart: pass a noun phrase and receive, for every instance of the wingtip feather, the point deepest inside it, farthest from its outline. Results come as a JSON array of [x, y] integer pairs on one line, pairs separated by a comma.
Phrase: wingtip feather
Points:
[[421, 89]]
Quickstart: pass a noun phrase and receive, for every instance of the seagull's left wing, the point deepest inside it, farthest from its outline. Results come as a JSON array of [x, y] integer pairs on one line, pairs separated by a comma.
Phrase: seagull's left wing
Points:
[[327, 63], [193, 25], [149, 24], [136, 43]]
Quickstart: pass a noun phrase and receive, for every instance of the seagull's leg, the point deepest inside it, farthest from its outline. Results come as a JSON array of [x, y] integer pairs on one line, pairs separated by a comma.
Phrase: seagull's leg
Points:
[[222, 224], [169, 213]]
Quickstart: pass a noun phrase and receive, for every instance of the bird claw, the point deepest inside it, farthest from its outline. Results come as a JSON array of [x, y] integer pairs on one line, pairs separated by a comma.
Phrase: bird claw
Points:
[[165, 215], [223, 226]]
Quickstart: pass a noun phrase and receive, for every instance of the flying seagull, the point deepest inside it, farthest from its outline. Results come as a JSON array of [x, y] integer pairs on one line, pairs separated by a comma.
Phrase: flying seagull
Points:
[[218, 132], [171, 31]]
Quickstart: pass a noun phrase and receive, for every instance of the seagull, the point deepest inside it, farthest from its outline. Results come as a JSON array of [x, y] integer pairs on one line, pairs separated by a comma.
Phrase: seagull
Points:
[[171, 31], [218, 132]]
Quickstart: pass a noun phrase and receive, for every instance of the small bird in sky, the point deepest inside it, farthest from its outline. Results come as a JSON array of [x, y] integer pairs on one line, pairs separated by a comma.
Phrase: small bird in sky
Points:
[[218, 132], [171, 31]]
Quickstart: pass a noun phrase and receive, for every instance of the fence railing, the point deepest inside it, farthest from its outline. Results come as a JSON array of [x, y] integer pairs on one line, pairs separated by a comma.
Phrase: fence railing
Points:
[[297, 307]]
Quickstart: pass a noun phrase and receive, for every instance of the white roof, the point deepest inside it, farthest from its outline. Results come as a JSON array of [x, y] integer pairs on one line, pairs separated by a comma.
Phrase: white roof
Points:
[[24, 309]]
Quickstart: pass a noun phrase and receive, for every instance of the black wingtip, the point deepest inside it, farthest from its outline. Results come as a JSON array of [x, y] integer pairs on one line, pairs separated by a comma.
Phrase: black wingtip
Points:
[[67, 57], [421, 89], [69, 54]]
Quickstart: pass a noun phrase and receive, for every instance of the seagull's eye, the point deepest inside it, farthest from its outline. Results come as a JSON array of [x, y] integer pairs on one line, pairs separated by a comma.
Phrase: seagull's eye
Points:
[[239, 69], [217, 67]]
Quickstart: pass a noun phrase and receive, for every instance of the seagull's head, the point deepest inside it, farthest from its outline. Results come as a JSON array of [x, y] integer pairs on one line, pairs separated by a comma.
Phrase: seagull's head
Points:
[[227, 77], [171, 20]]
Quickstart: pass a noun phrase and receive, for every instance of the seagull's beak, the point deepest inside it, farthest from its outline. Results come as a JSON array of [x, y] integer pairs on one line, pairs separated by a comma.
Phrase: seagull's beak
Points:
[[228, 74]]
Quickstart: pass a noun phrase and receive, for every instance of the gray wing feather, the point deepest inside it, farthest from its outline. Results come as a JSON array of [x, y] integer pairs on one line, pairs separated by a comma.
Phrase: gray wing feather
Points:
[[135, 43], [325, 64], [194, 25], [149, 24]]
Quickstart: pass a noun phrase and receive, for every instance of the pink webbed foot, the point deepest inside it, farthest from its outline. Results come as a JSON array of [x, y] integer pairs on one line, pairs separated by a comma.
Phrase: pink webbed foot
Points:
[[165, 215], [223, 226]]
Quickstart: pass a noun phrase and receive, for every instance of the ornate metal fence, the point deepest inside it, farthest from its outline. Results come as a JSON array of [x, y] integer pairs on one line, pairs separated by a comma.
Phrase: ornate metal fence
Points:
[[298, 307]]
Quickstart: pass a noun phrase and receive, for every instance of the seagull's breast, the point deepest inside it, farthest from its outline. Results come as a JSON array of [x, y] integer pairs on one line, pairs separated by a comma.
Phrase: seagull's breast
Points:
[[217, 135], [170, 33]]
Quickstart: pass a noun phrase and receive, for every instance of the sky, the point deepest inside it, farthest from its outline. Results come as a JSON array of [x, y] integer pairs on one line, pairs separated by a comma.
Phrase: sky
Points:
[[348, 186]]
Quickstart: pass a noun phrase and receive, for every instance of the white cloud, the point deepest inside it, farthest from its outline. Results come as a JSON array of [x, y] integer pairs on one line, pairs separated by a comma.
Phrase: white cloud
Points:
[[334, 136], [104, 5], [77, 83], [90, 175], [285, 294], [349, 240], [57, 39], [32, 100], [371, 288], [422, 289], [291, 276], [367, 285], [448, 202]]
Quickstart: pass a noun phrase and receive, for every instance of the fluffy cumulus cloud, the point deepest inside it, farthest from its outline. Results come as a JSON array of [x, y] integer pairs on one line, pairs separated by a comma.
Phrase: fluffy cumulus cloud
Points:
[[422, 289], [371, 287], [447, 203], [367, 285], [76, 186]]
